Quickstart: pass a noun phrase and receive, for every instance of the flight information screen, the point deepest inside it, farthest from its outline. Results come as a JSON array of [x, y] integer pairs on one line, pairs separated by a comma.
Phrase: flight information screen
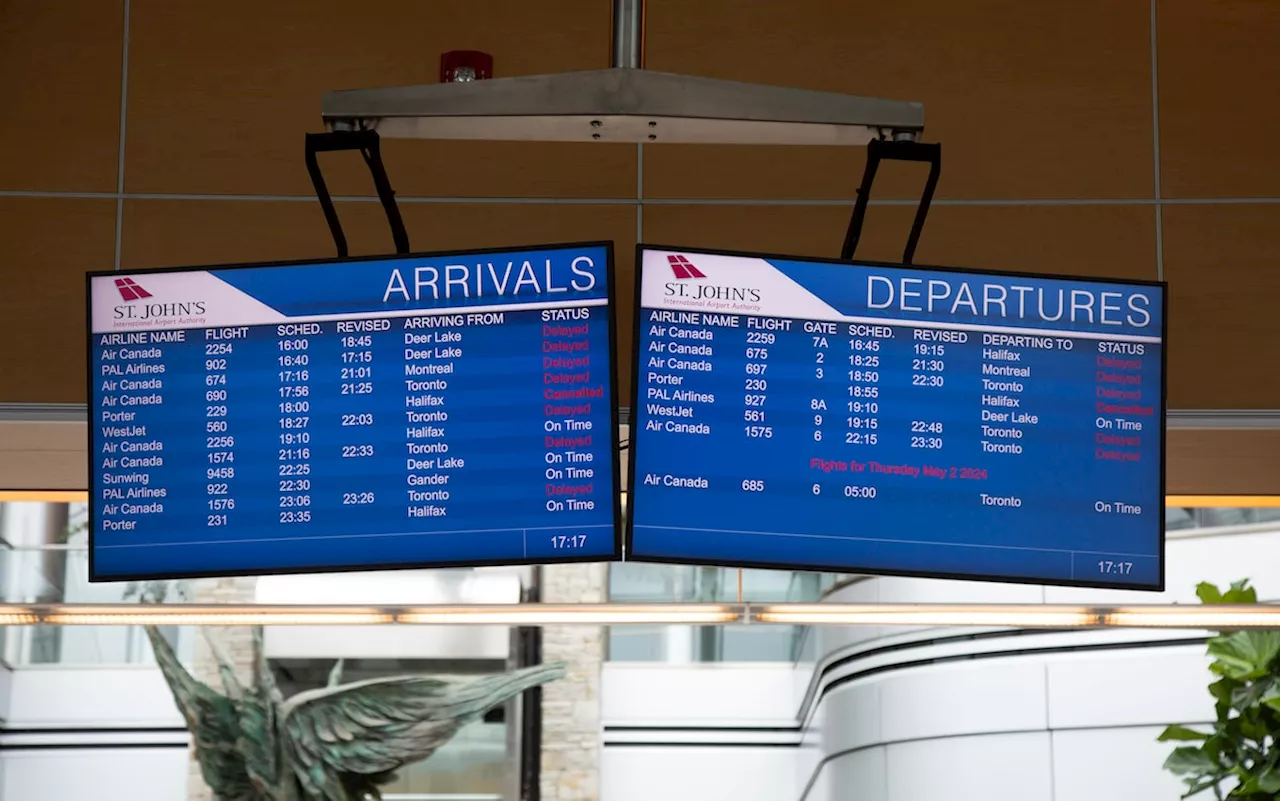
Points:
[[427, 410], [897, 420]]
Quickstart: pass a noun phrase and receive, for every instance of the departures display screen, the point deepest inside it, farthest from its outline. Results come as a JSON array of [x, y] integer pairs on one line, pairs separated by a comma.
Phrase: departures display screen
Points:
[[408, 411], [859, 417]]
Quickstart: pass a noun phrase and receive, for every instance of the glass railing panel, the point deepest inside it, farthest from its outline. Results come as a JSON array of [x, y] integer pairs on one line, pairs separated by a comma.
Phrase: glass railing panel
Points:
[[640, 643], [648, 583], [60, 574], [689, 644], [637, 582]]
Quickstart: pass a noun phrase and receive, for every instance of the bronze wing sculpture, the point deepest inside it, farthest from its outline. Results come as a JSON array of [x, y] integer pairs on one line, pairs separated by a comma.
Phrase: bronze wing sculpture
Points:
[[214, 723], [338, 743]]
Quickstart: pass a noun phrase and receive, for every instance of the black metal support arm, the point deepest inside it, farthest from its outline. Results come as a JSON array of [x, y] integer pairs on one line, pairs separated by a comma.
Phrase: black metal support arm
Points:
[[367, 143], [877, 151], [529, 654]]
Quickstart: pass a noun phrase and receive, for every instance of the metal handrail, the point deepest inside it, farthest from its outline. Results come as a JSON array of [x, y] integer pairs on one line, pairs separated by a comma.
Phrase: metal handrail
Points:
[[1197, 617]]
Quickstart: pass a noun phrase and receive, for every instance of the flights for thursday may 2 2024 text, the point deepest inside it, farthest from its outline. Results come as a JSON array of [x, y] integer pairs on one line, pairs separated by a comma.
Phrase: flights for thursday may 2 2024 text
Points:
[[897, 419], [458, 410]]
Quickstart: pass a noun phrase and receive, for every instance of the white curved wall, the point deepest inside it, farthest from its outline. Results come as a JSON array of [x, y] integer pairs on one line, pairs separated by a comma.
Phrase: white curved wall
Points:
[[901, 714], [698, 732]]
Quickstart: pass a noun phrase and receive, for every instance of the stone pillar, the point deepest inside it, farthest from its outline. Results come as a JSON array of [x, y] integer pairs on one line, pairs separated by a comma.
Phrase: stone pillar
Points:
[[235, 641], [571, 729]]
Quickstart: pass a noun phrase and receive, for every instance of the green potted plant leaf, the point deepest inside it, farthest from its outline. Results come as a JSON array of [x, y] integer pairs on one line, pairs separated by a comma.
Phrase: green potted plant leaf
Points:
[[1240, 753]]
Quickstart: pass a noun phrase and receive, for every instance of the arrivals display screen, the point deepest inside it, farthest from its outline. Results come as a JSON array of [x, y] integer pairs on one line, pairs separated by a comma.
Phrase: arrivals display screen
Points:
[[897, 420], [408, 411]]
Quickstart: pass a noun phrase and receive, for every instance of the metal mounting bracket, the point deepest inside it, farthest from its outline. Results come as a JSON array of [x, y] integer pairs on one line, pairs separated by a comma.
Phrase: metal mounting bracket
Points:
[[367, 142], [898, 150]]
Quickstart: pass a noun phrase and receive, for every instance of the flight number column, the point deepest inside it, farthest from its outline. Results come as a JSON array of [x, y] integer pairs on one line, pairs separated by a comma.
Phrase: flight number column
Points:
[[764, 349], [761, 339], [220, 345], [293, 408]]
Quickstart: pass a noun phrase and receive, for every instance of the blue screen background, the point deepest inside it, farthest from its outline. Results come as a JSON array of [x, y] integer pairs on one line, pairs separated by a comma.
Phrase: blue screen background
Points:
[[301, 460], [790, 459]]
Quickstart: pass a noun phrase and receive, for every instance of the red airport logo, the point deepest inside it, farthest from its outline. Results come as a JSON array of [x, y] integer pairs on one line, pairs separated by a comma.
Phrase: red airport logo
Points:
[[130, 290], [683, 269]]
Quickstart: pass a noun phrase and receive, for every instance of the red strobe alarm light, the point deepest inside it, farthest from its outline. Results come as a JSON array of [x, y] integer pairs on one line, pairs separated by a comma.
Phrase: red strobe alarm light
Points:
[[465, 65]]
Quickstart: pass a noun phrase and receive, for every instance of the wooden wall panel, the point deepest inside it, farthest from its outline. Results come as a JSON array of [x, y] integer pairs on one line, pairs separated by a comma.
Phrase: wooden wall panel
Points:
[[1100, 241], [802, 230], [220, 94], [1205, 462], [178, 233], [60, 68], [1224, 290], [163, 233], [1105, 241], [1219, 77], [170, 233], [1031, 100], [43, 456], [48, 245]]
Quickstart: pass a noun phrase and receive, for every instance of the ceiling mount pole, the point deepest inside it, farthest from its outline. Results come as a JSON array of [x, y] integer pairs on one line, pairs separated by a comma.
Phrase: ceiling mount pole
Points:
[[628, 34]]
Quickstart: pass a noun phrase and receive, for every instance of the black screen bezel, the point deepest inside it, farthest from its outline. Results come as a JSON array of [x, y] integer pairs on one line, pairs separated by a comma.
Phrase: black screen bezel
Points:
[[91, 399], [637, 321]]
